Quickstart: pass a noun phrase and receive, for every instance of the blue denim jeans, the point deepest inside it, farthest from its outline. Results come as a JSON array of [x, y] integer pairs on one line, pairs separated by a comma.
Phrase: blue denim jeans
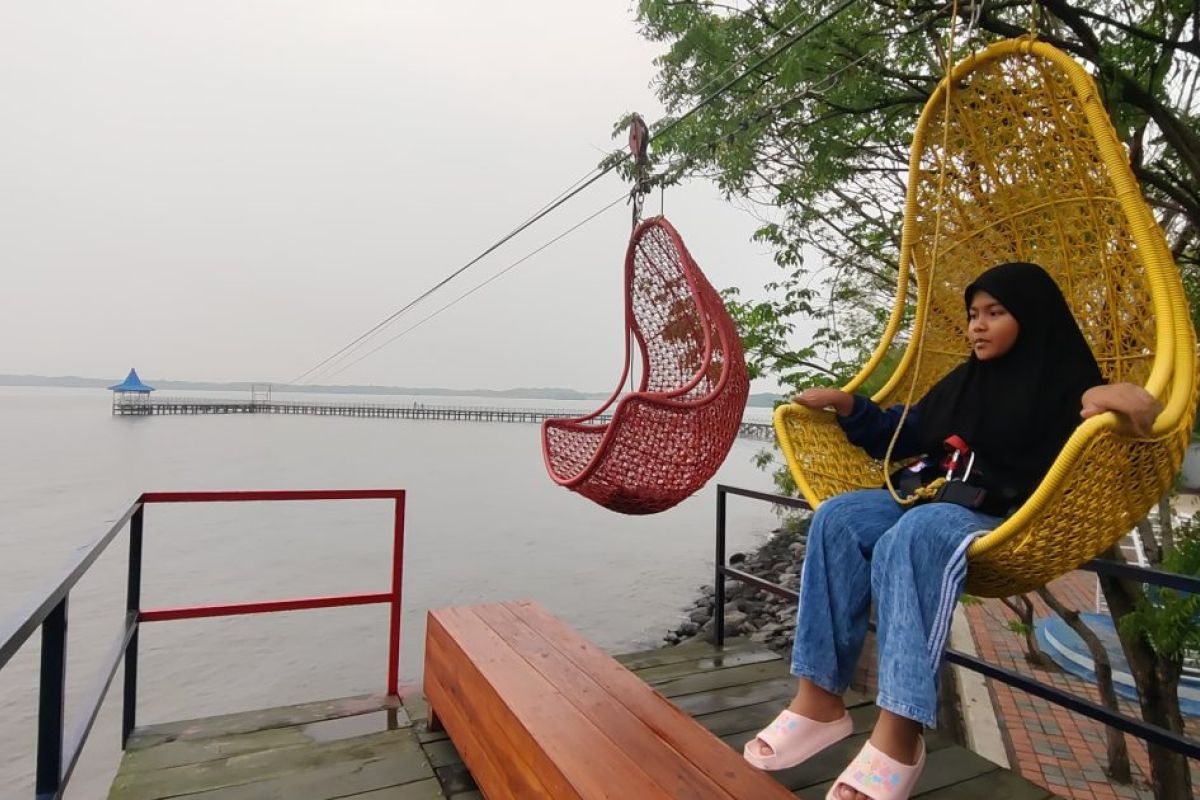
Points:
[[864, 547]]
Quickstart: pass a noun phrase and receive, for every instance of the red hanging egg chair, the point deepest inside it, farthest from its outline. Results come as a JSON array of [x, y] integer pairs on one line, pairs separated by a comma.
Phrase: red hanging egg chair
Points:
[[665, 440]]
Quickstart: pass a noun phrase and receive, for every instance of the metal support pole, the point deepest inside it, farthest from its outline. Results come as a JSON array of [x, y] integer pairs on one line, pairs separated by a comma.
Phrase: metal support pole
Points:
[[719, 574], [133, 604], [51, 702], [393, 679]]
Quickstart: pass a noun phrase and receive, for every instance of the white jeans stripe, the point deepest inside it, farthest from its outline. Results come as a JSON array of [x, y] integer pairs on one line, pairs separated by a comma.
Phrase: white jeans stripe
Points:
[[952, 580]]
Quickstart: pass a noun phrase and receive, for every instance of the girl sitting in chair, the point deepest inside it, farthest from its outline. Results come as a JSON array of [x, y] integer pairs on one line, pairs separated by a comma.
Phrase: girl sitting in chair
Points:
[[1004, 414]]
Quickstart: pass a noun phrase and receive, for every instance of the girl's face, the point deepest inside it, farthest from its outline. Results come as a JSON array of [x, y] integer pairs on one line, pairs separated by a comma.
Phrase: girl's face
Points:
[[991, 329]]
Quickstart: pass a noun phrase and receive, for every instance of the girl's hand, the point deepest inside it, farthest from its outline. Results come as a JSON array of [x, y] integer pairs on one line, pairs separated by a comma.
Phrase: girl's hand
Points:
[[839, 401], [1135, 404]]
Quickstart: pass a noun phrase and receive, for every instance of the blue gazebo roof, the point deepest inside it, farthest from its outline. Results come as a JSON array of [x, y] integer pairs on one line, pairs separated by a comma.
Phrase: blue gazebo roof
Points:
[[132, 384]]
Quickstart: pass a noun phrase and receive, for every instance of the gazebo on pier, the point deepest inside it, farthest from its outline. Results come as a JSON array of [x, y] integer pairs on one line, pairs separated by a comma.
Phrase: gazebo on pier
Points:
[[131, 396]]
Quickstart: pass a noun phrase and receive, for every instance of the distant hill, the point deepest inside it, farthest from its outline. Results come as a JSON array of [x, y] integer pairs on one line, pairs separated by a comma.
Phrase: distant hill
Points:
[[763, 400]]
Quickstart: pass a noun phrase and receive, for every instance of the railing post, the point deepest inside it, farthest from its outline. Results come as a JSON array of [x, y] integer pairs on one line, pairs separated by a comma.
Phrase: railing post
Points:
[[133, 605], [719, 574], [393, 678], [50, 701]]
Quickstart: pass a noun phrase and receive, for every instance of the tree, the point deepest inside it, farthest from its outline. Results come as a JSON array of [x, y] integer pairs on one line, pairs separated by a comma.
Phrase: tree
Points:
[[1158, 628], [815, 143]]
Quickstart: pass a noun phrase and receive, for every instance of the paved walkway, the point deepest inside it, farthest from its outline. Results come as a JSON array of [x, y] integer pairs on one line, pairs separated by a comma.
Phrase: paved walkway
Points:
[[1046, 744]]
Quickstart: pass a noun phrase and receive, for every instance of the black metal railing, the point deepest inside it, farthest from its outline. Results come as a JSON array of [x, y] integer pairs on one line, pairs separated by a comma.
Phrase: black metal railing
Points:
[[47, 610], [1135, 727]]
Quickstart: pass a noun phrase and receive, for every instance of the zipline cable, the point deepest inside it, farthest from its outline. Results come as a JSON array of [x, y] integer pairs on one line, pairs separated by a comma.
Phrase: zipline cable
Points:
[[467, 294], [685, 163], [581, 186]]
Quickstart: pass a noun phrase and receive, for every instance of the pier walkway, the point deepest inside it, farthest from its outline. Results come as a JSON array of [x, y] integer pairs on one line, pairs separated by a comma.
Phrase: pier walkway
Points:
[[372, 748], [333, 408]]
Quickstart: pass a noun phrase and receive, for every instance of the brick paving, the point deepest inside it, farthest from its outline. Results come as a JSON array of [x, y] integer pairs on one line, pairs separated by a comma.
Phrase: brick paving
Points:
[[1046, 744]]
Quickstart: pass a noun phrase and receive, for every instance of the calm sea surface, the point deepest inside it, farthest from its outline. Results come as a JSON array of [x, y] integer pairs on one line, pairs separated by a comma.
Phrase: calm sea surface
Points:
[[484, 523]]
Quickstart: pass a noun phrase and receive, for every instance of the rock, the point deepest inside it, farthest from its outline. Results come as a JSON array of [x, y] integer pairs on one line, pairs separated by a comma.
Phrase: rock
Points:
[[689, 628], [699, 616], [734, 621], [750, 607]]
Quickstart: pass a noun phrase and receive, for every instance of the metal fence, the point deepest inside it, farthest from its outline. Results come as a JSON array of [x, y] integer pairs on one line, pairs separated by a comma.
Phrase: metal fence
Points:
[[58, 750], [1135, 727]]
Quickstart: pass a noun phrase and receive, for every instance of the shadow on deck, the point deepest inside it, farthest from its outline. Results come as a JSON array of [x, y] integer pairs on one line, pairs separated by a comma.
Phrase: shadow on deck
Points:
[[370, 748]]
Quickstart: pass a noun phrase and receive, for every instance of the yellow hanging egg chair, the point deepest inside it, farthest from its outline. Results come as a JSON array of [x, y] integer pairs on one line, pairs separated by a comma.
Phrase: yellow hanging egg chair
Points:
[[1033, 172]]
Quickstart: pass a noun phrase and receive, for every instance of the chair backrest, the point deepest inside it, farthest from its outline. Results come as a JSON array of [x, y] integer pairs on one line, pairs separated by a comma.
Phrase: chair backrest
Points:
[[676, 317], [1033, 172]]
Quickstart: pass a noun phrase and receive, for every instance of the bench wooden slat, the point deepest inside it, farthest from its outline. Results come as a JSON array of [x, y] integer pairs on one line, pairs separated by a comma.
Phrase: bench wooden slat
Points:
[[673, 726], [569, 754], [669, 768], [485, 770]]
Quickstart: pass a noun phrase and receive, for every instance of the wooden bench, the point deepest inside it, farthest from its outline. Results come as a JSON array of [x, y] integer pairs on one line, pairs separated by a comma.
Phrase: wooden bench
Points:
[[536, 711]]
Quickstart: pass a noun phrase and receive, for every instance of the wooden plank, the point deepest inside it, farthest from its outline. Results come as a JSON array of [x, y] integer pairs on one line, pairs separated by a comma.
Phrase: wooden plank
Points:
[[505, 774], [563, 748], [195, 751], [251, 767], [245, 722], [723, 678], [999, 784], [382, 777], [779, 690], [417, 708], [456, 779], [756, 717], [678, 769], [945, 768], [826, 765], [688, 651], [421, 790], [668, 722], [441, 753], [710, 663]]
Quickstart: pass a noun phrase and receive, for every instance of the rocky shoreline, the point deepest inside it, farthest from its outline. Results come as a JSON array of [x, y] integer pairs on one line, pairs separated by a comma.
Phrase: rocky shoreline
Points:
[[749, 611]]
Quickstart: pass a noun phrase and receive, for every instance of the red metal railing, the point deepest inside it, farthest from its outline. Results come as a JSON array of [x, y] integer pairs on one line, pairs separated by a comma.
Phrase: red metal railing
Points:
[[392, 597], [58, 750]]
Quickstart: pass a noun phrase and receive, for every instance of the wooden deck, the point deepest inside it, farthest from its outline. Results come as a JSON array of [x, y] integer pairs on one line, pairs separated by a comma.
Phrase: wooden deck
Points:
[[369, 749]]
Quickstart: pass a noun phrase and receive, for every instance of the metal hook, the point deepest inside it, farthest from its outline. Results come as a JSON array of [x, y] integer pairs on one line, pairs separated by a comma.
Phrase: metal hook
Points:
[[639, 147]]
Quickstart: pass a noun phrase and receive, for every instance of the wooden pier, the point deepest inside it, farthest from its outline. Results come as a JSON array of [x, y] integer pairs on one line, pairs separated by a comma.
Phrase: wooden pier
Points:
[[415, 411], [371, 748]]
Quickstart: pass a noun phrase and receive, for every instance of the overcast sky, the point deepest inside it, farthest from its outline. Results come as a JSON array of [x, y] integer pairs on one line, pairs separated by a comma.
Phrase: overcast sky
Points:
[[233, 190]]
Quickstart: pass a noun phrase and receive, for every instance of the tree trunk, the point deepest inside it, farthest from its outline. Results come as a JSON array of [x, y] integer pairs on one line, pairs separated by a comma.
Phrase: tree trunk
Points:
[[1023, 608], [1157, 683], [1118, 753]]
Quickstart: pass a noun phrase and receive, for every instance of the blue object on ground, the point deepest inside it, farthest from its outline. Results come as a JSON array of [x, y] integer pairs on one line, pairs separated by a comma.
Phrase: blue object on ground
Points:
[[1067, 650]]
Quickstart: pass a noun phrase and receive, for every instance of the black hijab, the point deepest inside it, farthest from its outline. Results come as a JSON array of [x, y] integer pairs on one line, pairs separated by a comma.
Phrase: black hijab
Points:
[[1016, 411]]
